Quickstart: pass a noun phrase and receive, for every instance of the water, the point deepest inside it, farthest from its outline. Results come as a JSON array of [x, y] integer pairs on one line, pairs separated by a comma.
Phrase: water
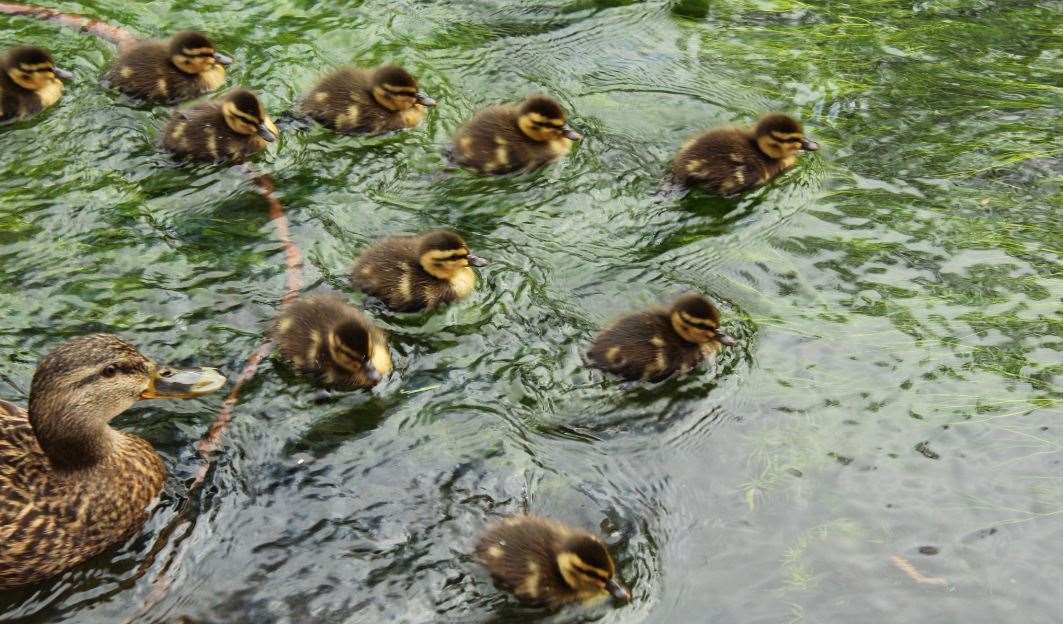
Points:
[[897, 297]]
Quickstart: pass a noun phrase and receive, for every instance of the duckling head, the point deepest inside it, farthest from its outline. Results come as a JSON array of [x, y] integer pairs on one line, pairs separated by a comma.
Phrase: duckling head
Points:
[[587, 568], [193, 53], [245, 114], [696, 320], [350, 345], [443, 254], [33, 68], [395, 89], [542, 119], [83, 384], [781, 136]]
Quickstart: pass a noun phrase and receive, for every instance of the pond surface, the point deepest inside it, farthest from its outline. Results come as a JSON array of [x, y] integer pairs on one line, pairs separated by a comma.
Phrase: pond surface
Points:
[[883, 446]]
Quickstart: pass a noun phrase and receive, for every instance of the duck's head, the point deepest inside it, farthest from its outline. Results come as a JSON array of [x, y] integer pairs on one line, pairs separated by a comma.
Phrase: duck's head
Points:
[[781, 136], [193, 53], [696, 320], [245, 114], [351, 346], [444, 254], [33, 68], [395, 89], [542, 119], [84, 383], [586, 567]]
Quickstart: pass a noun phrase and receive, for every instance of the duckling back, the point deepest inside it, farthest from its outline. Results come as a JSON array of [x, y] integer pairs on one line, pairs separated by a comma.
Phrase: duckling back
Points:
[[303, 329], [144, 70], [51, 520], [201, 133], [644, 346], [492, 142], [520, 554], [390, 270], [725, 161], [344, 102]]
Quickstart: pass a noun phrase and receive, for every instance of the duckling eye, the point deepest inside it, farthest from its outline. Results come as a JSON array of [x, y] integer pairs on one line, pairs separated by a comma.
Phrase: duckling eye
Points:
[[109, 371]]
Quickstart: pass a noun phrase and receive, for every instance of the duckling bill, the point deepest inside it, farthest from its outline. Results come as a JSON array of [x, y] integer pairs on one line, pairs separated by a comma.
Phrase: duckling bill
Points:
[[331, 341], [29, 82], [521, 137], [231, 129], [181, 68], [70, 485], [658, 343], [411, 273], [546, 563], [734, 160], [367, 101]]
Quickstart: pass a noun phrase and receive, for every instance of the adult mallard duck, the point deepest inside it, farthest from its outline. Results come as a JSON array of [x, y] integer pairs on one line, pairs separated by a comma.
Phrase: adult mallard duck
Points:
[[174, 70], [520, 137], [70, 485], [732, 160], [29, 82], [544, 562], [369, 101]]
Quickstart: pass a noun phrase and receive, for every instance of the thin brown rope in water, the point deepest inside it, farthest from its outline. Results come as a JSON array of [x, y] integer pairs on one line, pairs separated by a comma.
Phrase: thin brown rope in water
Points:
[[114, 34], [906, 566]]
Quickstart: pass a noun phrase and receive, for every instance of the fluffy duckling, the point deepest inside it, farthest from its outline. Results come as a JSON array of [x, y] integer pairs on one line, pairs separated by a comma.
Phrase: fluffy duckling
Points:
[[410, 273], [328, 338], [70, 485], [543, 562], [29, 82], [733, 160], [658, 343], [520, 137], [174, 70], [232, 129], [370, 101]]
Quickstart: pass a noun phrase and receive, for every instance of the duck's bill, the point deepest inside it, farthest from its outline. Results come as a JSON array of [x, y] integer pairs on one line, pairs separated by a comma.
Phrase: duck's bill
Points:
[[618, 591], [570, 133], [809, 146], [62, 74], [424, 99], [266, 133], [477, 261], [726, 340], [173, 383], [222, 59]]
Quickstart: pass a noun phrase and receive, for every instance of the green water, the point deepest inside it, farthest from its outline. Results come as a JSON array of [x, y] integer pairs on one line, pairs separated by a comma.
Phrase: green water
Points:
[[897, 298]]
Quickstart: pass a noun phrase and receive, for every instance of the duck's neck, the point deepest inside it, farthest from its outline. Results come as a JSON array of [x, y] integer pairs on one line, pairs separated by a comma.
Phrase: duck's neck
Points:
[[72, 441]]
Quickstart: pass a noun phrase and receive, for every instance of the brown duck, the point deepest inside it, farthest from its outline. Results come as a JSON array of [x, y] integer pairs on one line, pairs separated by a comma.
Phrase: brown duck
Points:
[[231, 129], [181, 68], [369, 101], [70, 485], [29, 82]]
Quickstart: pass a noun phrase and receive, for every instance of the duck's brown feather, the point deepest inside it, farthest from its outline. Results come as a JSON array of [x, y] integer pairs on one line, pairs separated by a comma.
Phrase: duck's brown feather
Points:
[[344, 102], [644, 346], [492, 142], [725, 161], [200, 133], [391, 271], [144, 70]]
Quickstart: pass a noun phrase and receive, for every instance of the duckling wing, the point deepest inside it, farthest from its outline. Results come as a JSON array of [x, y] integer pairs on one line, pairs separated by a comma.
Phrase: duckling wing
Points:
[[722, 161], [633, 346], [143, 70], [491, 142], [388, 270], [339, 100]]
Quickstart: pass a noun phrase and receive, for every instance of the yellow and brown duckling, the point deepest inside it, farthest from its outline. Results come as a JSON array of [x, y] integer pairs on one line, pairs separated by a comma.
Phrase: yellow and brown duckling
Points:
[[180, 68], [230, 129], [331, 340], [543, 562], [732, 160], [369, 101], [658, 343], [516, 137], [410, 273], [70, 485], [29, 82]]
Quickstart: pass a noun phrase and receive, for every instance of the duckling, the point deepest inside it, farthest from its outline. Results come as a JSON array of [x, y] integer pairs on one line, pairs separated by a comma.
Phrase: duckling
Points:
[[231, 129], [174, 70], [328, 338], [732, 160], [524, 137], [656, 344], [70, 485], [367, 101], [29, 83], [543, 562], [411, 273]]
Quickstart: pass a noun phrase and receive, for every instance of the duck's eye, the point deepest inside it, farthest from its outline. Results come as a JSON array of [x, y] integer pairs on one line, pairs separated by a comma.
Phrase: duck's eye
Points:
[[109, 371]]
